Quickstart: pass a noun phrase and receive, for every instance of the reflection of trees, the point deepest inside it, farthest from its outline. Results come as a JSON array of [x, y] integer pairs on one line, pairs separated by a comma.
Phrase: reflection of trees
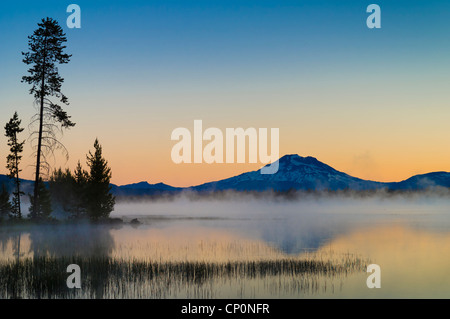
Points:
[[4, 238], [73, 243], [16, 246], [13, 237], [71, 240]]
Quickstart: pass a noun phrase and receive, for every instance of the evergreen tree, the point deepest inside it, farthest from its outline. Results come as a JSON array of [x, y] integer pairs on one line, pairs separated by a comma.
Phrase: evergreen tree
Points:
[[100, 201], [42, 209], [5, 205], [12, 129], [46, 49], [62, 191], [80, 191], [69, 191]]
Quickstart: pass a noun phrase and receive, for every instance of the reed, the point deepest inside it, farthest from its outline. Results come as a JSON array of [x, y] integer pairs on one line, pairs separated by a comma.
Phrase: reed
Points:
[[106, 277]]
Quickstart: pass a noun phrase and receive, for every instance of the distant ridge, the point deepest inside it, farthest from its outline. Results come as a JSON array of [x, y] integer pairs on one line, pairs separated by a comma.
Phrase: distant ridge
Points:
[[144, 188], [299, 173], [308, 173], [295, 172]]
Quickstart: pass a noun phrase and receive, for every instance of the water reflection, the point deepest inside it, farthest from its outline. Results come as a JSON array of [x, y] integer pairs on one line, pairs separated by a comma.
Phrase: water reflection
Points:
[[36, 242], [150, 262], [414, 262], [62, 240], [410, 242]]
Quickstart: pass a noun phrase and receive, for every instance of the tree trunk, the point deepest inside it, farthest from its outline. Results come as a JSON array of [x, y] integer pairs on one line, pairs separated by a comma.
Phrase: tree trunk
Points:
[[18, 185], [38, 155]]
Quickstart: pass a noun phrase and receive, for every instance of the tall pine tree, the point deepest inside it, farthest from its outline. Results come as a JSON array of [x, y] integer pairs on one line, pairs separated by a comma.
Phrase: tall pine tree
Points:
[[12, 129], [46, 49], [100, 201]]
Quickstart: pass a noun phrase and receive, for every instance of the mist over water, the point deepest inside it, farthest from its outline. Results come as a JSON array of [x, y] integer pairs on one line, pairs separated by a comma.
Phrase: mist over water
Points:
[[293, 225], [408, 236]]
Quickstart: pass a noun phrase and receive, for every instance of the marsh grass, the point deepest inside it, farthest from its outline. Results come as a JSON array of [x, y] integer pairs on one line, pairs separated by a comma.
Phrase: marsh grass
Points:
[[106, 277]]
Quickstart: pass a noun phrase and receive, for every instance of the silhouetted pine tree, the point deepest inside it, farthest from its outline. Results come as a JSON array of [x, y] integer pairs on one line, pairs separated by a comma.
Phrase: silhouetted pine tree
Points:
[[80, 191], [62, 191], [43, 209], [46, 49], [5, 205], [100, 201], [12, 129], [69, 191]]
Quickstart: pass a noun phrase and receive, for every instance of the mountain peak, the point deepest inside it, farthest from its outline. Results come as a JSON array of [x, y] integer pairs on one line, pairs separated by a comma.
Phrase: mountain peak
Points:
[[294, 172], [293, 161], [296, 157]]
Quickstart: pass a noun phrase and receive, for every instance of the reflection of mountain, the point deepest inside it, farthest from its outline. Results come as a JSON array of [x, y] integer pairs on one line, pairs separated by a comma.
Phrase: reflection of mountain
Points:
[[295, 172], [306, 232]]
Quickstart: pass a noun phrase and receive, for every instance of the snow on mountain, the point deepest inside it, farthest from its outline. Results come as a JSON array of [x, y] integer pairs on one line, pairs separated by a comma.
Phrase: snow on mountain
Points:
[[295, 172]]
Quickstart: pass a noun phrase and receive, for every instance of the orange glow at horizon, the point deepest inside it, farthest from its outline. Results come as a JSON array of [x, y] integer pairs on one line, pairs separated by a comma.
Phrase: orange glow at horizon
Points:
[[156, 169], [388, 138]]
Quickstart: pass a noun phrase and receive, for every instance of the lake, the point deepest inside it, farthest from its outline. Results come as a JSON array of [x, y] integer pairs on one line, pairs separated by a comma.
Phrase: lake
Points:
[[240, 247]]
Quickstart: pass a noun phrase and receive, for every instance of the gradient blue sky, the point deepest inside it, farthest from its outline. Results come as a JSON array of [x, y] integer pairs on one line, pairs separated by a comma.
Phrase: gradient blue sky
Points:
[[372, 103]]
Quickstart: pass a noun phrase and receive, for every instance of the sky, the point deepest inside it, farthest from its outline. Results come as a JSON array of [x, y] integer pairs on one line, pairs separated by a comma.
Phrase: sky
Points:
[[373, 103]]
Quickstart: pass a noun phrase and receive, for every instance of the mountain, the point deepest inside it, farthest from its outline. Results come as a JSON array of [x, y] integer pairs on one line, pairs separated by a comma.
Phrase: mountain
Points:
[[294, 172], [143, 188], [137, 189], [307, 173], [424, 181], [26, 185]]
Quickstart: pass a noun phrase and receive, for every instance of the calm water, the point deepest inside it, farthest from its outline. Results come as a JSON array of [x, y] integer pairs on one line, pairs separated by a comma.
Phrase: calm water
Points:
[[408, 237]]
